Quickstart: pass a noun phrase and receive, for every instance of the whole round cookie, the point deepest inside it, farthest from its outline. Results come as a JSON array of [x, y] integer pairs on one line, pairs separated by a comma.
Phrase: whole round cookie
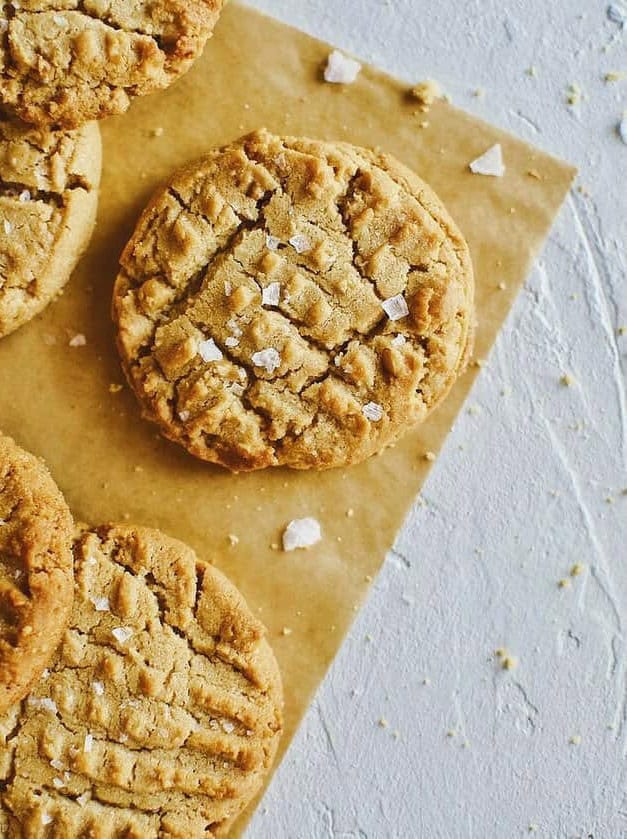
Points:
[[161, 713], [48, 201], [67, 62], [36, 582], [293, 302]]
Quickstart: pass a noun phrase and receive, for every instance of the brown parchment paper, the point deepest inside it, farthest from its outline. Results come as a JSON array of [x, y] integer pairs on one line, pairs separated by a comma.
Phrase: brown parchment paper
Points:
[[56, 400]]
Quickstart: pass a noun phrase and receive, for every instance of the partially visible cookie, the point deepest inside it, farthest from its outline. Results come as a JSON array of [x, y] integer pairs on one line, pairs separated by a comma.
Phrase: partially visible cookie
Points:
[[161, 713], [36, 583], [48, 200], [67, 62], [293, 302]]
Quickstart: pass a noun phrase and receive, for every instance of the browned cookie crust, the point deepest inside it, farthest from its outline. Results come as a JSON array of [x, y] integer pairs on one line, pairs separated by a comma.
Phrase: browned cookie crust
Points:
[[160, 714], [36, 581], [48, 201], [65, 62], [293, 302]]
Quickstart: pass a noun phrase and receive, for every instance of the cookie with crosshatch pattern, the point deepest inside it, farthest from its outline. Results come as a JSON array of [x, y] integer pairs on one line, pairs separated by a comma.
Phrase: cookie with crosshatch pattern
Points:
[[287, 301], [161, 712]]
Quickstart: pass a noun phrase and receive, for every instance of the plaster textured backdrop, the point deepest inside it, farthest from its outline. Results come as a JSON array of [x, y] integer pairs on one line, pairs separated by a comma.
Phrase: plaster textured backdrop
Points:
[[530, 483]]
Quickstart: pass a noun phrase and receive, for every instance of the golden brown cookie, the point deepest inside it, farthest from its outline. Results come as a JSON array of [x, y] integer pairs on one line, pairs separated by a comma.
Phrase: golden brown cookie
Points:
[[293, 302], [36, 584], [161, 713], [66, 62], [48, 201]]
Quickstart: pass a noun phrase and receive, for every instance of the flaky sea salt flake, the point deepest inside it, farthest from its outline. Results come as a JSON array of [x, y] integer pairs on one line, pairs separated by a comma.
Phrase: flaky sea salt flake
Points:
[[122, 634], [46, 818], [45, 704], [8, 227], [300, 243], [78, 340], [101, 604], [272, 243], [24, 196], [341, 69], [373, 412], [395, 307], [399, 341], [88, 744], [209, 351], [231, 343], [269, 359], [271, 295], [301, 533], [617, 13], [228, 726], [82, 799], [58, 783], [490, 163]]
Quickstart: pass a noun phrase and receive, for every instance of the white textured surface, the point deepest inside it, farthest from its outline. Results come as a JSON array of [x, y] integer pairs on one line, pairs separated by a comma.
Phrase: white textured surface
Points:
[[518, 495]]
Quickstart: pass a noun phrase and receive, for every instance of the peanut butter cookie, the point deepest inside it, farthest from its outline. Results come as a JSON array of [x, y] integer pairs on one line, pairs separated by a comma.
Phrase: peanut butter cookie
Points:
[[293, 302], [161, 713], [36, 581], [48, 201], [66, 62]]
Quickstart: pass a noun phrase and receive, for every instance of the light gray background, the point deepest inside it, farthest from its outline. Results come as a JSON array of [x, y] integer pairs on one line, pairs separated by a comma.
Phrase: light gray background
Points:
[[517, 497]]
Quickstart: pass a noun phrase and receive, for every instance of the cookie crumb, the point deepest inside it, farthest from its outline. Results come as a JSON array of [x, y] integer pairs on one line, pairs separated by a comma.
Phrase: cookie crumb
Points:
[[395, 307], [426, 93], [184, 415], [566, 380], [575, 740], [350, 513], [502, 286], [451, 733], [78, 340], [533, 173], [563, 583], [383, 723], [286, 631], [533, 828], [269, 359], [615, 76], [372, 412], [577, 569], [430, 456], [157, 132], [574, 94], [396, 734], [510, 662], [233, 539], [426, 681], [532, 71], [490, 163], [115, 388], [341, 69], [301, 533], [209, 351]]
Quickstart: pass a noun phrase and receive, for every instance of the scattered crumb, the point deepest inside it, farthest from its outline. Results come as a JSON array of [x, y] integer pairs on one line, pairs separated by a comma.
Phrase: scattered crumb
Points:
[[368, 637], [510, 662], [500, 653], [233, 539], [575, 740], [577, 569], [430, 456], [466, 744], [350, 513], [610, 499], [479, 362], [502, 286], [451, 733], [157, 132], [423, 123], [479, 93], [114, 388], [490, 163], [396, 734], [615, 76], [532, 71], [301, 533], [566, 380], [533, 173], [425, 93], [383, 723], [533, 828], [426, 681], [341, 69], [573, 94], [286, 630], [78, 340], [622, 330], [474, 409]]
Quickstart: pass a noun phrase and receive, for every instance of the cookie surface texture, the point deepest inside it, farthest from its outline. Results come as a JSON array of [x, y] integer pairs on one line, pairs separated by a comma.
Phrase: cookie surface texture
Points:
[[161, 713], [36, 582], [66, 62], [293, 302], [48, 201]]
